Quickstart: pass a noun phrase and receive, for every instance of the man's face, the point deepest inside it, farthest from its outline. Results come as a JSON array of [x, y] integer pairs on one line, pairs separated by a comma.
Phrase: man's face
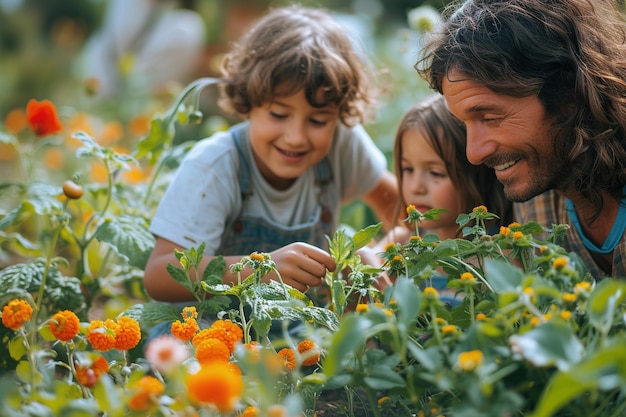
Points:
[[509, 134]]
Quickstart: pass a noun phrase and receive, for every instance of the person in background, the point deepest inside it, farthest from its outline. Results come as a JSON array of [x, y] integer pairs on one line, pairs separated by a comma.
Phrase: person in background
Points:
[[433, 173], [145, 44], [541, 88], [275, 182]]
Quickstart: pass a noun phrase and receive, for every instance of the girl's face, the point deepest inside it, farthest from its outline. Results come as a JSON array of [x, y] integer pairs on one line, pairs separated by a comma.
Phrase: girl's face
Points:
[[426, 184], [289, 136]]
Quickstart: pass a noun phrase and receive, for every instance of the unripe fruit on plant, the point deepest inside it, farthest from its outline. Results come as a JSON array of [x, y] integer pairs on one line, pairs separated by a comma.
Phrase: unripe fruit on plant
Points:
[[72, 190]]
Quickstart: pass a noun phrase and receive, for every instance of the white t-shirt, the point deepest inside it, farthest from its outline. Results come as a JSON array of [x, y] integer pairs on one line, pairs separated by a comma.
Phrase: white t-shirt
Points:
[[204, 197]]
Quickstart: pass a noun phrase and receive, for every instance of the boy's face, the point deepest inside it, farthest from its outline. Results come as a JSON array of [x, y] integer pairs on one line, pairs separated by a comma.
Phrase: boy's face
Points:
[[427, 185], [289, 136]]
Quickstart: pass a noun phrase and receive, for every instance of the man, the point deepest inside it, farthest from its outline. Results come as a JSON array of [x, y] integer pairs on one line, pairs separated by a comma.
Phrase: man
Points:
[[541, 88]]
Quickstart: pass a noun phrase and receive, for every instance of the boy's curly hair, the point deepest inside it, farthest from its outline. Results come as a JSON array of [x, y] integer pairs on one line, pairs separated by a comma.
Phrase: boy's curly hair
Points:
[[294, 48]]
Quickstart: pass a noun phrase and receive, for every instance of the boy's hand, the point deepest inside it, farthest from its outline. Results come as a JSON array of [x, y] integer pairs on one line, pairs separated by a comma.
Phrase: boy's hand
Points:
[[301, 265]]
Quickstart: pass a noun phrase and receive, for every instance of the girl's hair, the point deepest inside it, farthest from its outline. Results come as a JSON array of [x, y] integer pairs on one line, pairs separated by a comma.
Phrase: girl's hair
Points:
[[294, 48], [571, 54], [476, 185]]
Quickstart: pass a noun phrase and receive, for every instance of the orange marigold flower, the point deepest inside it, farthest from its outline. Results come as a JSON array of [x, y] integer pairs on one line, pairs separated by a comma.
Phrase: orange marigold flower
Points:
[[90, 369], [250, 411], [504, 231], [185, 330], [288, 358], [101, 334], [189, 312], [218, 383], [310, 352], [225, 330], [144, 393], [42, 117], [212, 350], [468, 361], [15, 121], [16, 313], [65, 325], [127, 334]]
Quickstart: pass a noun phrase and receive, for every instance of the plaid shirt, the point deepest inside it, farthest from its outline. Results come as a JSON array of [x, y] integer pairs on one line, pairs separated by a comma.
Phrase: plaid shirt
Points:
[[548, 209]]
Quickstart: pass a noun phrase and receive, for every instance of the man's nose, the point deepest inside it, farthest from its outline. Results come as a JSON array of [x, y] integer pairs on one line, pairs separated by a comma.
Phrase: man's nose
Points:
[[478, 146]]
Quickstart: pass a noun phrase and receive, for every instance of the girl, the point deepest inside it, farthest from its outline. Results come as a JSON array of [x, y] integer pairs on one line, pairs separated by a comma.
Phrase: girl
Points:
[[274, 183], [433, 172]]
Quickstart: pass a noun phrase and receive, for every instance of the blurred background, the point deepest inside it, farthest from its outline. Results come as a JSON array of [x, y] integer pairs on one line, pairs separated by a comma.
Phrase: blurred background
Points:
[[116, 63]]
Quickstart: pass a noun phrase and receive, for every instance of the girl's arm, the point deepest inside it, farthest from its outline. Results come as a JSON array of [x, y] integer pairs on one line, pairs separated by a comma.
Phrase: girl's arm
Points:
[[383, 201]]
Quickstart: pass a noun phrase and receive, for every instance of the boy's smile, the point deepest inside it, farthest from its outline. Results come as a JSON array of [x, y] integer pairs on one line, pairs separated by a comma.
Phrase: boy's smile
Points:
[[289, 136]]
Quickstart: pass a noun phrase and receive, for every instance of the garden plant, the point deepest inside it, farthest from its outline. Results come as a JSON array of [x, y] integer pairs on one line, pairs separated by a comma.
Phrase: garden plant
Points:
[[534, 334]]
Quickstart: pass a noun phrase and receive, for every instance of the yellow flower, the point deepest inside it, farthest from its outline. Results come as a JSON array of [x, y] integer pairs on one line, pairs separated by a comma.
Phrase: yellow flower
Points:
[[504, 231], [582, 287], [144, 393], [384, 399], [389, 247], [449, 329], [441, 320], [566, 315], [468, 361], [410, 209], [362, 308], [212, 350], [64, 325], [16, 313], [569, 297], [127, 334], [468, 277], [257, 257], [481, 317], [559, 263], [185, 330], [101, 334], [518, 235], [479, 209], [431, 292], [277, 410], [415, 239], [310, 352], [218, 383], [514, 225], [288, 358]]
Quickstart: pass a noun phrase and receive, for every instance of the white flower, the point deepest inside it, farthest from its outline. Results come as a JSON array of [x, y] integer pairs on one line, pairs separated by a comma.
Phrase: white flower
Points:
[[165, 353], [423, 19]]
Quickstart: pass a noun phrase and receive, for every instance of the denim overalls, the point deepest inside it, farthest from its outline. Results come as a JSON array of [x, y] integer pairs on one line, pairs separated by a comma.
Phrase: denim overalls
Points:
[[253, 234]]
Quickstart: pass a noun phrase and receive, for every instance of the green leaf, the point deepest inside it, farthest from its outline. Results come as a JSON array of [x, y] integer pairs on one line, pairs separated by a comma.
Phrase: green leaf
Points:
[[550, 344], [502, 276], [408, 299], [150, 313], [365, 236], [604, 302], [129, 237], [17, 348], [604, 370], [158, 139], [351, 334]]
